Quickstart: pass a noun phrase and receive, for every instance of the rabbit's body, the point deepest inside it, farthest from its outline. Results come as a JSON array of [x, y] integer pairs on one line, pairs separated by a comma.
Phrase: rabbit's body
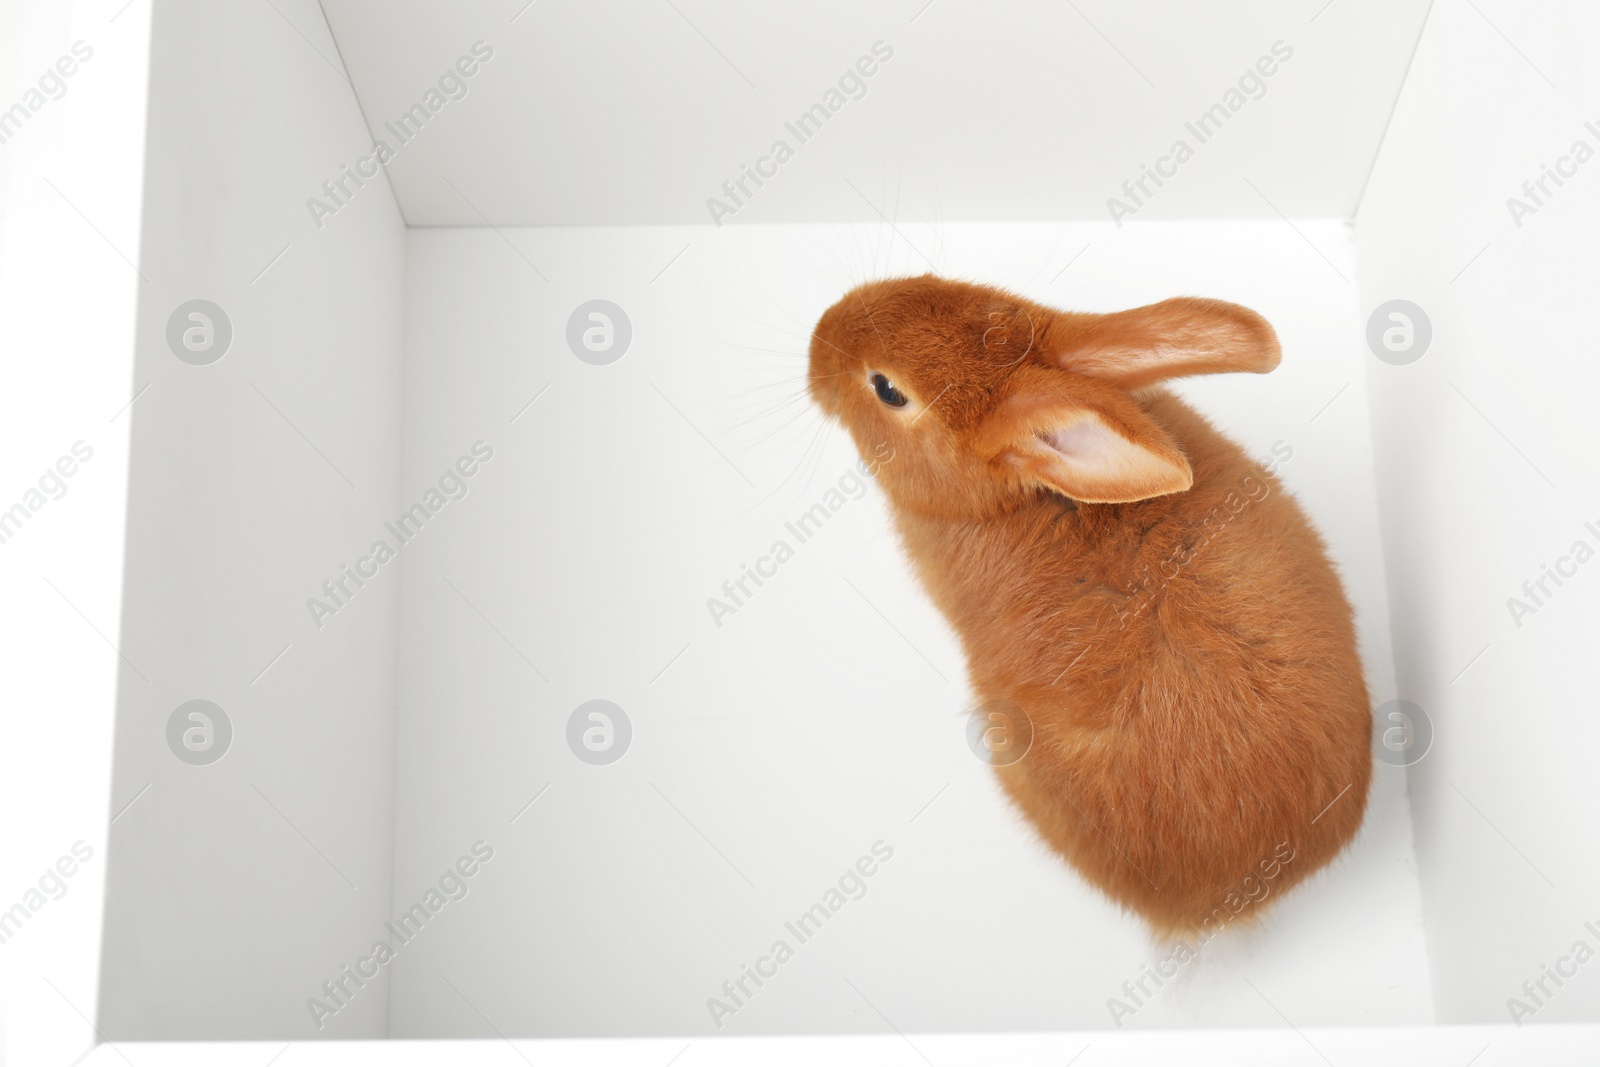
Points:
[[1200, 728], [1161, 612]]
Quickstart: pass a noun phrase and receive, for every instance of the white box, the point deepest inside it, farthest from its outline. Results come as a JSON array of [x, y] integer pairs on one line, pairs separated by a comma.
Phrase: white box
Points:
[[381, 334]]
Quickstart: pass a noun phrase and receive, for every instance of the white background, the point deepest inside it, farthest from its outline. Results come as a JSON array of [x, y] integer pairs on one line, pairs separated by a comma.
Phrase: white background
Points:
[[805, 727], [69, 245]]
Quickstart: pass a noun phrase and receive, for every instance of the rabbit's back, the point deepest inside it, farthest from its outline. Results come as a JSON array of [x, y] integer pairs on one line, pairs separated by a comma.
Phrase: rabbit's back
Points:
[[1188, 666]]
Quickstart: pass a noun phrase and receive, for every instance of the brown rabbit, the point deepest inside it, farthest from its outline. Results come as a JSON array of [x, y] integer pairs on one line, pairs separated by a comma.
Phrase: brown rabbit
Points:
[[1160, 612]]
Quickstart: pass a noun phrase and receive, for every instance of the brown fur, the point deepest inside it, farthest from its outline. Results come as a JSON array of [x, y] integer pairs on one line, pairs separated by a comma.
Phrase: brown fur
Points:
[[1182, 648]]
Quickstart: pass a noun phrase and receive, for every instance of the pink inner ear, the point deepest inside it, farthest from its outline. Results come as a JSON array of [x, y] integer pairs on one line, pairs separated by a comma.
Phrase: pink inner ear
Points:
[[1094, 450], [1075, 440], [1091, 461]]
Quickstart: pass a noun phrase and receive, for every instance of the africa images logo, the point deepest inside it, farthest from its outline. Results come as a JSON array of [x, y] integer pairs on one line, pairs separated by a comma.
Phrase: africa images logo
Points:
[[339, 190]]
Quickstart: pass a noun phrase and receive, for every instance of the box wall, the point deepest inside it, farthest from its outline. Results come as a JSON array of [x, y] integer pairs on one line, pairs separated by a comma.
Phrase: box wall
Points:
[[1046, 120], [237, 888], [1489, 471]]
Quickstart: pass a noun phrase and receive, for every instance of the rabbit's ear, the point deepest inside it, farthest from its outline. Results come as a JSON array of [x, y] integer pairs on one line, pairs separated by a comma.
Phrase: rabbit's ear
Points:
[[1185, 335], [1096, 446]]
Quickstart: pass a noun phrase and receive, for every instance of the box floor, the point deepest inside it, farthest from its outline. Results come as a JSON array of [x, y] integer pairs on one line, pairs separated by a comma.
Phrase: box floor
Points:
[[771, 751]]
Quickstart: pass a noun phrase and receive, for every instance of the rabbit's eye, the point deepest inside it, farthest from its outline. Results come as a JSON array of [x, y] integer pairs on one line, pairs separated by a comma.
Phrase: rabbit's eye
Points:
[[887, 392]]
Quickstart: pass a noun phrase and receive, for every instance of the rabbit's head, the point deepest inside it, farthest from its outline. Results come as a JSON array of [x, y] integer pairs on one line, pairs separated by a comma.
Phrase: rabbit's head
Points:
[[985, 399]]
